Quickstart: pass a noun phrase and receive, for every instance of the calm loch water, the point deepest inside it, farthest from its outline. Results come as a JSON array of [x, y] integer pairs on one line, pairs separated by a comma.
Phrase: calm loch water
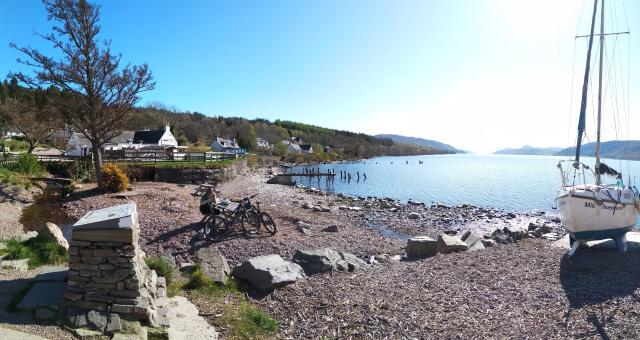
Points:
[[517, 183]]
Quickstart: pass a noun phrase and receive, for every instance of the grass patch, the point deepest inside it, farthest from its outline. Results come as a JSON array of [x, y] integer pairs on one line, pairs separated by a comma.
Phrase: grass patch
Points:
[[260, 320], [15, 300], [239, 318], [161, 266], [39, 252], [14, 178]]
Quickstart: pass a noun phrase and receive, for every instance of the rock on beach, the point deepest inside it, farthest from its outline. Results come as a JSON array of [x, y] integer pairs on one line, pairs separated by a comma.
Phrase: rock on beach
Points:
[[214, 265], [268, 272], [421, 246], [450, 244]]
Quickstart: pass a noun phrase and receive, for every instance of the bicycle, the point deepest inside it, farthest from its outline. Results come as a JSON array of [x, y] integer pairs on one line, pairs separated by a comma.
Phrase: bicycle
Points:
[[250, 217], [265, 220]]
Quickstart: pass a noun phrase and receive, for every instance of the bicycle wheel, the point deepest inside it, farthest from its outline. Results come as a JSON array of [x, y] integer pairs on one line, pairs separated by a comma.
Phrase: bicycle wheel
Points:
[[250, 221], [215, 226], [268, 223]]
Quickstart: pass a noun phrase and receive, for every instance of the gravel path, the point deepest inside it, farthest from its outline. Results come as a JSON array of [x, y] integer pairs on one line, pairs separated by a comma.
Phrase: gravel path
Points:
[[523, 290]]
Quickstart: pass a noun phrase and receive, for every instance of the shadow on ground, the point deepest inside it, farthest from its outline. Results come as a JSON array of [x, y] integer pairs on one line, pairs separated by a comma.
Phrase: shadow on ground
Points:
[[9, 289], [197, 240], [594, 281], [596, 276]]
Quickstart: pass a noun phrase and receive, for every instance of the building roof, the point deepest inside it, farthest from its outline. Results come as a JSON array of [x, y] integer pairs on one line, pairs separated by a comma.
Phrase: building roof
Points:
[[295, 146], [305, 147], [122, 138], [226, 143], [148, 136]]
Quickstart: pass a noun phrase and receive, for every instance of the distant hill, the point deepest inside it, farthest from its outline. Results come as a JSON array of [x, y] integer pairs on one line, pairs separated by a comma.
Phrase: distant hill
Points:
[[420, 141], [528, 150], [629, 149]]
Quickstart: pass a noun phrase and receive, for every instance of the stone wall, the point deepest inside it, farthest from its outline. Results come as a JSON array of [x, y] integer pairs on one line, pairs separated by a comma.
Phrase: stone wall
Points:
[[184, 176], [111, 277], [109, 282]]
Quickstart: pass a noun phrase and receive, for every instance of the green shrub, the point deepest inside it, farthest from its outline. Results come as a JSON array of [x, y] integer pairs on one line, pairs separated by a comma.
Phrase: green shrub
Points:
[[114, 179], [9, 177], [27, 164], [161, 266], [78, 169], [39, 252]]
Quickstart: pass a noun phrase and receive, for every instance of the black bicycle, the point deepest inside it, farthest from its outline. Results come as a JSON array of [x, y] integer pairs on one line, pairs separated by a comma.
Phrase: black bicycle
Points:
[[227, 215]]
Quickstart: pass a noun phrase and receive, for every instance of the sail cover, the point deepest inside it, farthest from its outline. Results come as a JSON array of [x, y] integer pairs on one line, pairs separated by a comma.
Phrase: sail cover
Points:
[[607, 170]]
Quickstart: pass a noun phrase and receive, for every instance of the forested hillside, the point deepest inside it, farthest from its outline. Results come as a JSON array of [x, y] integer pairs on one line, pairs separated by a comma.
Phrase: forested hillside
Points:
[[420, 141], [624, 149], [197, 129]]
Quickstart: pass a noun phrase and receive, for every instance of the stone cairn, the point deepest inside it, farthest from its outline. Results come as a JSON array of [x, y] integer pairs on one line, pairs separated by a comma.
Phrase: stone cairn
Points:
[[109, 283]]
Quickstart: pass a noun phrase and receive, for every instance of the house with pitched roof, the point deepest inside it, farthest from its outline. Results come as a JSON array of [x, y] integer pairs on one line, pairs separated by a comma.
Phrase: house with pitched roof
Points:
[[79, 145], [227, 146], [296, 145], [155, 138]]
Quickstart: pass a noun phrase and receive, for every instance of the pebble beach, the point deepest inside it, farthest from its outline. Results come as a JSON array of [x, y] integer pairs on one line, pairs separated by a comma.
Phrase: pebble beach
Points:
[[526, 289]]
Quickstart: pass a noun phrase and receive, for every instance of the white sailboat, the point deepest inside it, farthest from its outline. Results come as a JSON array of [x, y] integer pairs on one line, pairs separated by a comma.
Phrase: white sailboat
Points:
[[595, 210]]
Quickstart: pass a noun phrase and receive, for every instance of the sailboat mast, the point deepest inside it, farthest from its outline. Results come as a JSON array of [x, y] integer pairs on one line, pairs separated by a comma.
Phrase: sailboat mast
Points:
[[585, 85], [598, 179]]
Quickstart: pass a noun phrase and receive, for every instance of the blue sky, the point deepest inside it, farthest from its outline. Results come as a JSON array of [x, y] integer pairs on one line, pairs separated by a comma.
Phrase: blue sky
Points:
[[479, 75]]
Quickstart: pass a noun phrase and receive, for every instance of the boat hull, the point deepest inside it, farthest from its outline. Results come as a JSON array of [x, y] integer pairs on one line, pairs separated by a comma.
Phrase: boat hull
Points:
[[589, 218]]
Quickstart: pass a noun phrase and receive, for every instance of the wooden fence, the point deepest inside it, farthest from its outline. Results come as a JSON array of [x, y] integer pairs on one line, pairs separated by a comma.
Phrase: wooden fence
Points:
[[131, 156], [137, 156]]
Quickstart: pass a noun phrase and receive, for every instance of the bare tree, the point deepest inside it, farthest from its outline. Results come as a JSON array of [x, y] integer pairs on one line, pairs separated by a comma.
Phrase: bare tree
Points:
[[32, 112], [99, 91]]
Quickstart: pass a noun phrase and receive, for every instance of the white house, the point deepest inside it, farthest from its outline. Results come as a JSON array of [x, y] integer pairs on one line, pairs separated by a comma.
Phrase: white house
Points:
[[296, 145], [79, 145], [263, 143], [11, 133], [144, 138], [226, 145], [292, 147]]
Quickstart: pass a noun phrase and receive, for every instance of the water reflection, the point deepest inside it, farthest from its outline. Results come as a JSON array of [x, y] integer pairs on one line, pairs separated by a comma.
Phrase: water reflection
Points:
[[47, 208]]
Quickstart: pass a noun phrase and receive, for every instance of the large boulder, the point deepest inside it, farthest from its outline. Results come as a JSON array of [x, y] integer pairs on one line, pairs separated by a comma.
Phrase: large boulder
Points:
[[326, 259], [420, 247], [268, 272], [214, 265], [317, 260], [52, 232], [450, 244]]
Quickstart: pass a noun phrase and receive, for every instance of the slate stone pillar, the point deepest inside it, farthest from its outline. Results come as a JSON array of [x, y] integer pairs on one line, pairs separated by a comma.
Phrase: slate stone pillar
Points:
[[108, 279]]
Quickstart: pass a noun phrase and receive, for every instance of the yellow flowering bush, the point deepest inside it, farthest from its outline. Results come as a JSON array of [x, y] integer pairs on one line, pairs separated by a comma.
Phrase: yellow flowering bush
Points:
[[113, 178]]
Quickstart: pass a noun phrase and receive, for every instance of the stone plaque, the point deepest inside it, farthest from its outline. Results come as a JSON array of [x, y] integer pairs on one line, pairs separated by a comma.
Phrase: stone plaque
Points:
[[117, 224]]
